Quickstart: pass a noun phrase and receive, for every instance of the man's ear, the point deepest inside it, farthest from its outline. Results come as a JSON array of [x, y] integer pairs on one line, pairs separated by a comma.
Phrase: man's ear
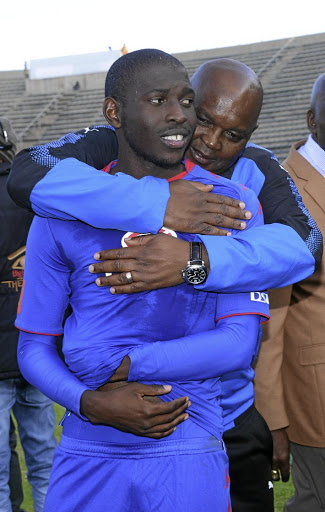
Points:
[[311, 123], [111, 111]]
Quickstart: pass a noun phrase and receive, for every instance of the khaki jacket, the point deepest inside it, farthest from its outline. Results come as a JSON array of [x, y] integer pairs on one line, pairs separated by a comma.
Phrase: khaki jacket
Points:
[[290, 370]]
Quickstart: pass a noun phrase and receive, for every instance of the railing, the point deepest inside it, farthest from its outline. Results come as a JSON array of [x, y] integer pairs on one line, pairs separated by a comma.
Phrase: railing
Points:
[[37, 121], [275, 56]]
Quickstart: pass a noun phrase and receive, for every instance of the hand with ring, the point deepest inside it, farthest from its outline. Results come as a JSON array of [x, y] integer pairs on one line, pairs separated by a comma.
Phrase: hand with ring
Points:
[[129, 278]]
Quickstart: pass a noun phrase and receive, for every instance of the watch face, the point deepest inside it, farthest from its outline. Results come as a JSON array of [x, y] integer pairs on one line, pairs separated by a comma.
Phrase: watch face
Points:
[[196, 274]]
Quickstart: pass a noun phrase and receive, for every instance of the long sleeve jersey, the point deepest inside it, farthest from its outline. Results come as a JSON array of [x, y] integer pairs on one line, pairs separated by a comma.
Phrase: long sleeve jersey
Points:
[[63, 180], [48, 180], [177, 322]]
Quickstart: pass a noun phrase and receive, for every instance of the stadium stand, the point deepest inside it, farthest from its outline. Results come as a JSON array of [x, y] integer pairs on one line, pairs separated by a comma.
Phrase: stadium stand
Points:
[[286, 67]]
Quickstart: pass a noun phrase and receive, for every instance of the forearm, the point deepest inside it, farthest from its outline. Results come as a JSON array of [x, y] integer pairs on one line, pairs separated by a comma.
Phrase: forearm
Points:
[[74, 190], [268, 256], [205, 355], [63, 179], [41, 365]]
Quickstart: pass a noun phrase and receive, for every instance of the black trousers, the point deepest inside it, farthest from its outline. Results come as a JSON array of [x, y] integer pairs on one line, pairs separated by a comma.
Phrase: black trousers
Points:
[[249, 446]]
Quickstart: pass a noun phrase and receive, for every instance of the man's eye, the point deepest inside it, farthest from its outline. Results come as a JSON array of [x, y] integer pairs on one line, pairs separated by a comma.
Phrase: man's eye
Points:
[[233, 136], [187, 102], [156, 101], [202, 121]]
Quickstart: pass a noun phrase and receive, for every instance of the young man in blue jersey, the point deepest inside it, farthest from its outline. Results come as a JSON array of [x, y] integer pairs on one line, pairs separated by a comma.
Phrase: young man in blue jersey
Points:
[[99, 462], [285, 250]]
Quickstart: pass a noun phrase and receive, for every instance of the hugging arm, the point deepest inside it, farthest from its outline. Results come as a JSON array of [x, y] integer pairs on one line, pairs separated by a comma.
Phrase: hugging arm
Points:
[[54, 184], [229, 347], [126, 408], [281, 252], [64, 179]]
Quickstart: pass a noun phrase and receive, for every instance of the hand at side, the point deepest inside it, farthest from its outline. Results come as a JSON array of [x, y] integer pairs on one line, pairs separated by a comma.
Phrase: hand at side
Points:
[[281, 453]]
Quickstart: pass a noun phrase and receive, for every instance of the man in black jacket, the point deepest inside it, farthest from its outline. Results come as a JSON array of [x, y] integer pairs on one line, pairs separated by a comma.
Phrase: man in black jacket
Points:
[[32, 410]]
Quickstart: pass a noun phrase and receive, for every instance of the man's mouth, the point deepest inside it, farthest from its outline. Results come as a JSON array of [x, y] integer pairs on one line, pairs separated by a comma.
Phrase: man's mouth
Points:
[[175, 140], [174, 137], [200, 157]]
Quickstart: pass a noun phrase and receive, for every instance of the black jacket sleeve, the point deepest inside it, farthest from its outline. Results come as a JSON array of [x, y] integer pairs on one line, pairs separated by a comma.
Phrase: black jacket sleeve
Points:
[[95, 146]]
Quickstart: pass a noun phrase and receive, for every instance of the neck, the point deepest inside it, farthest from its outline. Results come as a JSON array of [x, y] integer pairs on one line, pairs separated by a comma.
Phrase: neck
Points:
[[137, 166]]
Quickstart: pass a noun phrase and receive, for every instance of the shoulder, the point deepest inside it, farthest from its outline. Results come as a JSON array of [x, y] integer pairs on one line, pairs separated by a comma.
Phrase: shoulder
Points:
[[260, 163], [258, 168], [87, 142], [262, 157], [47, 231]]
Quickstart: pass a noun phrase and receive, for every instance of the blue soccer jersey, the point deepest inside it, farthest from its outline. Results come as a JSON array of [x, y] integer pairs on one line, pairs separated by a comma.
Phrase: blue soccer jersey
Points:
[[174, 326], [103, 328]]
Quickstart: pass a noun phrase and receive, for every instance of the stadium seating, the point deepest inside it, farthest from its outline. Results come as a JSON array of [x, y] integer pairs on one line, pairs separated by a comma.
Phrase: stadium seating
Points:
[[286, 67]]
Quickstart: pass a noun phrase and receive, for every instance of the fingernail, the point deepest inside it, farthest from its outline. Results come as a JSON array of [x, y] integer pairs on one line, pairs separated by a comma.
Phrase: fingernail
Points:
[[242, 225], [91, 268], [190, 403], [248, 215], [112, 290], [97, 256], [228, 233], [98, 281], [241, 205], [186, 417]]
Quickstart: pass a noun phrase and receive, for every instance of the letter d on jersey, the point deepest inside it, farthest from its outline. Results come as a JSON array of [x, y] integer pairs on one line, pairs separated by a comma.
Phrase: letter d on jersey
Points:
[[260, 297]]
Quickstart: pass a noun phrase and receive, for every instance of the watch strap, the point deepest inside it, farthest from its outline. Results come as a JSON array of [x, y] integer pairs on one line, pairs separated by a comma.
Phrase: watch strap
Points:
[[195, 251]]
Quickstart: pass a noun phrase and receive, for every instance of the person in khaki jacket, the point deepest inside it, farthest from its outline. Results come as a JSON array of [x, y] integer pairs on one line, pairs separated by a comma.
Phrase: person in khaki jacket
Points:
[[290, 371]]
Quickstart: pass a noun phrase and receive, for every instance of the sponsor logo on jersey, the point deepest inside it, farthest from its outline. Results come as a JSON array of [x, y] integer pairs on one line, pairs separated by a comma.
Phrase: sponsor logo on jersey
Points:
[[260, 297], [88, 129]]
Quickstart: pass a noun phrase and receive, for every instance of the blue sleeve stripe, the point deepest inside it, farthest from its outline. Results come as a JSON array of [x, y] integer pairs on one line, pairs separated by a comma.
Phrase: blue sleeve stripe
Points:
[[314, 240], [41, 154]]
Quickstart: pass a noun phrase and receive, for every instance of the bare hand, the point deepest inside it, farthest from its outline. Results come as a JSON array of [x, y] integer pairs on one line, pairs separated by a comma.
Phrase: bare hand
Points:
[[281, 453], [192, 209], [155, 261], [134, 408]]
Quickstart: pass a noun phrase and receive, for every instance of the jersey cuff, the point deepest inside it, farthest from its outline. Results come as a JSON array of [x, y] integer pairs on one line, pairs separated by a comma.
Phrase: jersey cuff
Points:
[[43, 332], [264, 317]]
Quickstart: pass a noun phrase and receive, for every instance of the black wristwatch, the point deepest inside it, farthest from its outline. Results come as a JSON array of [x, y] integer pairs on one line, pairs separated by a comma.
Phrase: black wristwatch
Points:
[[195, 271]]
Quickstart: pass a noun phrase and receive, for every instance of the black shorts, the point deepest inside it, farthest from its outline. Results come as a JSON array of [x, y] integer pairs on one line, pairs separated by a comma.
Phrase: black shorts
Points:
[[250, 446]]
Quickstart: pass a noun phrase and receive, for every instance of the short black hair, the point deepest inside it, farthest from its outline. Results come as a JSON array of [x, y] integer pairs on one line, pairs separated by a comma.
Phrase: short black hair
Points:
[[124, 70]]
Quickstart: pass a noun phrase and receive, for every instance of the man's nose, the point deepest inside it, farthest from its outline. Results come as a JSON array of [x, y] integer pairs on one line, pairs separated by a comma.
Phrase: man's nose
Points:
[[212, 139], [176, 113]]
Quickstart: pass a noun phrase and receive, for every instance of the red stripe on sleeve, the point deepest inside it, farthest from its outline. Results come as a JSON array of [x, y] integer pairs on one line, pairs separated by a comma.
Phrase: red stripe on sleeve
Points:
[[241, 314], [21, 297]]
